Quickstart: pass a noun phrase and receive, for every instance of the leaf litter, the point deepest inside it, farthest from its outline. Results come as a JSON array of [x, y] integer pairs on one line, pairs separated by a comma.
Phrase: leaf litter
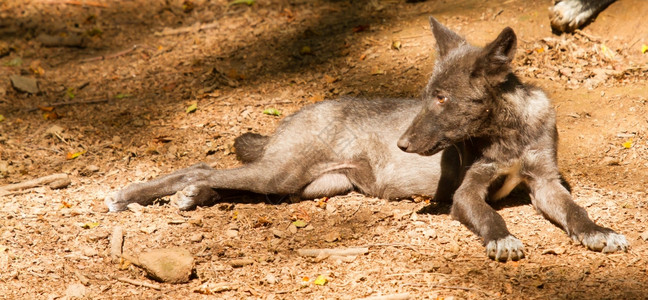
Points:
[[238, 58]]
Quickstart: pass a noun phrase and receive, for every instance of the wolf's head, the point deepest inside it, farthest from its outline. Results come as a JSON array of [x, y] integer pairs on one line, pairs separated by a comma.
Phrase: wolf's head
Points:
[[461, 95]]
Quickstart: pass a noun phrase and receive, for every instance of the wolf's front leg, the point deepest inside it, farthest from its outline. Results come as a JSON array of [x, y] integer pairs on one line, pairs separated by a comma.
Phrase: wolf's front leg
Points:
[[470, 208], [556, 204]]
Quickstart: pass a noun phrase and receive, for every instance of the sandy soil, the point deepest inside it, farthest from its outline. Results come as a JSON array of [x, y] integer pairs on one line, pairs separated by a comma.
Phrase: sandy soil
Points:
[[143, 63]]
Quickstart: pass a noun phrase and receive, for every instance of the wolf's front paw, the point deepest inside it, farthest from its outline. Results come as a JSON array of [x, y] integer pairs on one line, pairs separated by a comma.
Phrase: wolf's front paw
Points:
[[116, 202], [195, 195], [508, 248], [605, 241]]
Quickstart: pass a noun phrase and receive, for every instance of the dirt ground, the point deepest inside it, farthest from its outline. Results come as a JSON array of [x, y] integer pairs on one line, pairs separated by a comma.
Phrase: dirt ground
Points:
[[142, 65]]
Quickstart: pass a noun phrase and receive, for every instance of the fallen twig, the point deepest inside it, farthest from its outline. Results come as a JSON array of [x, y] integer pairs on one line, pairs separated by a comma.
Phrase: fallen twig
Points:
[[288, 291], [418, 36], [71, 103], [333, 252], [497, 14], [138, 283], [588, 36], [193, 28], [46, 180], [401, 296], [104, 57], [408, 246], [454, 287], [116, 243], [80, 3], [210, 288]]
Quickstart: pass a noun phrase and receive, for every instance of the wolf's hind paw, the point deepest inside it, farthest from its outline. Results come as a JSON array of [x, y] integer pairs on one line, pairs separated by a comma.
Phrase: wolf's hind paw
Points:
[[115, 202], [195, 195]]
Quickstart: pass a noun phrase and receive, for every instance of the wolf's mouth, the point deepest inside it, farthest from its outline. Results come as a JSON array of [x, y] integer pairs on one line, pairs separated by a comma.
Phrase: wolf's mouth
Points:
[[436, 148]]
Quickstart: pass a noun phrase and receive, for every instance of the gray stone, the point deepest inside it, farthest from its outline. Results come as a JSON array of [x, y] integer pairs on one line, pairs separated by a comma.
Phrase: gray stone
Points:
[[75, 291], [173, 265], [24, 84]]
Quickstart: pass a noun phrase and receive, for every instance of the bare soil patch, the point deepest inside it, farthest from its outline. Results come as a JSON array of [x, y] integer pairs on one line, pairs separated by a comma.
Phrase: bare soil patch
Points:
[[115, 87]]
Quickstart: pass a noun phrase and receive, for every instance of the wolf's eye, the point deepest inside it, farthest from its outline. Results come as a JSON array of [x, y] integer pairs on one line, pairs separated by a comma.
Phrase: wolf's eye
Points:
[[441, 99]]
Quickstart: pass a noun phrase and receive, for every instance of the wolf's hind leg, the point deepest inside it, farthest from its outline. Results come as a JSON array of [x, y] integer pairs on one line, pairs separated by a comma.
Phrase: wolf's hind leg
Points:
[[196, 195], [146, 192]]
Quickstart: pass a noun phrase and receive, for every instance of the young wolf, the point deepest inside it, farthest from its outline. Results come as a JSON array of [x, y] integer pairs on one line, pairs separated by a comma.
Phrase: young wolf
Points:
[[502, 133], [489, 123]]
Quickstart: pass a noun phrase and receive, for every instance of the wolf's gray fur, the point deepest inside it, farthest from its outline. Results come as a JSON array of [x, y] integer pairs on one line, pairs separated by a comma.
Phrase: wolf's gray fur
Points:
[[487, 123]]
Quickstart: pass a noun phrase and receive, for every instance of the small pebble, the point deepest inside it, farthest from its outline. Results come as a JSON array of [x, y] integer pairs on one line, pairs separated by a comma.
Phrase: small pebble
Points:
[[332, 236], [278, 233], [610, 161], [644, 236], [554, 251], [292, 228], [271, 279], [430, 233], [89, 251], [238, 263], [75, 291], [60, 183], [196, 238], [231, 233]]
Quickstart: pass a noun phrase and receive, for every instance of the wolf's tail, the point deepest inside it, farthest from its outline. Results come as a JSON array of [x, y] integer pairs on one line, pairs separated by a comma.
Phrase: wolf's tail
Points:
[[250, 146]]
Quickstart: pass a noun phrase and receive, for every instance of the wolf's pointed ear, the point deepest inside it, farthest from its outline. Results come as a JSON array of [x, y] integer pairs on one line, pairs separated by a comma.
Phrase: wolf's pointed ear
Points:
[[446, 39], [496, 57]]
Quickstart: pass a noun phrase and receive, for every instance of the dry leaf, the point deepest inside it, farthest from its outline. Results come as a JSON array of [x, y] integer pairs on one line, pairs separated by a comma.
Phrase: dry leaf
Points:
[[396, 45], [377, 71], [191, 108], [272, 112], [71, 155], [300, 223], [36, 68], [321, 202], [317, 98], [320, 280], [51, 116], [306, 50], [262, 222], [248, 2], [360, 28], [162, 139], [330, 79], [90, 225]]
